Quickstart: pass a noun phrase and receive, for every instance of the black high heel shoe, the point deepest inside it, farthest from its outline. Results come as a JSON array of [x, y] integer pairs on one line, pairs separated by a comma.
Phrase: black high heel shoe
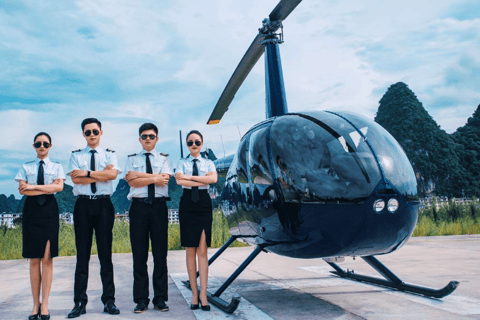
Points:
[[204, 307], [36, 316], [194, 306], [45, 316]]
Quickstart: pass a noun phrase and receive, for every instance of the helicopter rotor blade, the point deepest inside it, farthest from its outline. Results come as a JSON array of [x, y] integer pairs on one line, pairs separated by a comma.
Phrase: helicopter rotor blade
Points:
[[254, 52], [283, 9]]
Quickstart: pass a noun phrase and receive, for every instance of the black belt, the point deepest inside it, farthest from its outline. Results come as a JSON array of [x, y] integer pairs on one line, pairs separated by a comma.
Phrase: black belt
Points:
[[93, 197], [159, 199]]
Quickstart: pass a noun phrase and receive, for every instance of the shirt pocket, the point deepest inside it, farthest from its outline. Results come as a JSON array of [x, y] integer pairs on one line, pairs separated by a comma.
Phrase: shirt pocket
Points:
[[31, 177], [84, 165], [49, 176], [139, 166]]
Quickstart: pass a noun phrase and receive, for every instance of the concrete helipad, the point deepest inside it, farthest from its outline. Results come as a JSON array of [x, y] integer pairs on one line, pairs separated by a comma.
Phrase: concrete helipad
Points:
[[275, 287]]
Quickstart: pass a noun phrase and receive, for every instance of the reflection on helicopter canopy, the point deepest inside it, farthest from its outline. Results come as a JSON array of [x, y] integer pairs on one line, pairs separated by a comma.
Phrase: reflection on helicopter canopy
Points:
[[316, 161]]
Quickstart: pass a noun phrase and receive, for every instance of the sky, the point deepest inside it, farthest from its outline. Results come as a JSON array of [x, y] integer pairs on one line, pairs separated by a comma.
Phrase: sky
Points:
[[167, 62]]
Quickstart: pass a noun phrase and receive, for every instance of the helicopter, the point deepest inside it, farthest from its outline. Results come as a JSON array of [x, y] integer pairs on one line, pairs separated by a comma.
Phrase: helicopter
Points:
[[317, 184]]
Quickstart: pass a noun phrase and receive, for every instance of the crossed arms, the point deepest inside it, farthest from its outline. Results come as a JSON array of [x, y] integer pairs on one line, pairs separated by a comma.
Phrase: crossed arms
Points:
[[141, 179], [36, 190], [107, 174], [196, 181]]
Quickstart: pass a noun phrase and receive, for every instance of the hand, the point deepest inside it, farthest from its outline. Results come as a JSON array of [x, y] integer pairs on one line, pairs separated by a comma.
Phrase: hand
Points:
[[131, 175], [162, 179], [25, 187], [78, 173], [211, 173], [109, 167], [181, 176]]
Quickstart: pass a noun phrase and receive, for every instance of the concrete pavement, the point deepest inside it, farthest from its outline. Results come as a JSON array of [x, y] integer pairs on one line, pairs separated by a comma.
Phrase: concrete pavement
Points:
[[275, 287]]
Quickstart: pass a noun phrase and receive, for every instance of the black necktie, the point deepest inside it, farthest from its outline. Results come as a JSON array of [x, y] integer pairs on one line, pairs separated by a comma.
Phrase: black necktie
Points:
[[93, 185], [41, 181], [195, 195], [151, 187]]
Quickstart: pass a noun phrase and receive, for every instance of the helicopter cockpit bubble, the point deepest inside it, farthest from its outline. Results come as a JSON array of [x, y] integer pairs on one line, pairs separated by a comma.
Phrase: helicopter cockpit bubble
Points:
[[331, 162], [393, 160]]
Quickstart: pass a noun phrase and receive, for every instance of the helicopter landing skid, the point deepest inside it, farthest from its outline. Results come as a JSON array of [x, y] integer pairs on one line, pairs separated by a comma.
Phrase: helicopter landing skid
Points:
[[229, 307], [392, 280]]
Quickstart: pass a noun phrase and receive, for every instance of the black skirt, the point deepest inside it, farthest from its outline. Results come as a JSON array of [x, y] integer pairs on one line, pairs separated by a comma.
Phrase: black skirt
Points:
[[195, 218], [40, 223]]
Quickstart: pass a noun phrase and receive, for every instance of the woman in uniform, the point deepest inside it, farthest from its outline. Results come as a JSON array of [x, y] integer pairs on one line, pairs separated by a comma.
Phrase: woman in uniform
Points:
[[194, 174], [39, 180]]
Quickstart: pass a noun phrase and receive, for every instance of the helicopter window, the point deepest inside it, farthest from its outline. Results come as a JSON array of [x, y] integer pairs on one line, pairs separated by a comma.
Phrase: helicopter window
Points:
[[392, 158], [242, 162], [321, 157], [258, 157]]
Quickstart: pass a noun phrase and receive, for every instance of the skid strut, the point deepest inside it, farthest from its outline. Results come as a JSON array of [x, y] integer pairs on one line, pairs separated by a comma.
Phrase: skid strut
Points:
[[229, 307], [392, 280]]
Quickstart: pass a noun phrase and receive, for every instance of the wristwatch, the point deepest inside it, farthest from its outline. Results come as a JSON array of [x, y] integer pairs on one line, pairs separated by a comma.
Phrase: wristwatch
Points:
[[88, 174]]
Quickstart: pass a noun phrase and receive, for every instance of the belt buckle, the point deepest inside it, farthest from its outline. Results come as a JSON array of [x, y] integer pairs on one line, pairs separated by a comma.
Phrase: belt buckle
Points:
[[93, 197], [147, 200]]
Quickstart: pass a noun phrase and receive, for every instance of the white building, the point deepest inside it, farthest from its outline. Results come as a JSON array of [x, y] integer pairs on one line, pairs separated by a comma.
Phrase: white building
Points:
[[8, 218], [173, 216]]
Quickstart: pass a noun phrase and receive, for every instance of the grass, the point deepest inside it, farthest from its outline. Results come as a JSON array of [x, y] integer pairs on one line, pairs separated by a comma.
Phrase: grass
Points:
[[450, 219], [11, 238]]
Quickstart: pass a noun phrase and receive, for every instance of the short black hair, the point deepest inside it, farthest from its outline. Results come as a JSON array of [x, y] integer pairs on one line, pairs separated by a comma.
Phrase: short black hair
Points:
[[43, 134], [91, 120], [194, 132], [147, 126]]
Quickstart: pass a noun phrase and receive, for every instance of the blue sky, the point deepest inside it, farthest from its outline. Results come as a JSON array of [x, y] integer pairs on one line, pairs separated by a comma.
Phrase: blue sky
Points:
[[129, 62]]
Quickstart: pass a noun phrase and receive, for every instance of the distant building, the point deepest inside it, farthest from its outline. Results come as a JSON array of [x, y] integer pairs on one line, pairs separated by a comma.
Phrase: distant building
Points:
[[67, 217], [8, 218], [173, 216]]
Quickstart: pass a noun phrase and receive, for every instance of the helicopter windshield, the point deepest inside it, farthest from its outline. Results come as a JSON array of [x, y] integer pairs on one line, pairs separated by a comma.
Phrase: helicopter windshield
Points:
[[321, 157], [394, 161]]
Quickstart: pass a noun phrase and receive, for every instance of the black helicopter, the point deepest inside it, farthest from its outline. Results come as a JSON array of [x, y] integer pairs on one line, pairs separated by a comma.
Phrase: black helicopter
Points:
[[314, 184]]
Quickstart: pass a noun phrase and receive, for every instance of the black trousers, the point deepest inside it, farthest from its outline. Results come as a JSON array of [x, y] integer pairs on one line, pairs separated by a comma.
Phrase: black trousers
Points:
[[149, 221], [89, 215]]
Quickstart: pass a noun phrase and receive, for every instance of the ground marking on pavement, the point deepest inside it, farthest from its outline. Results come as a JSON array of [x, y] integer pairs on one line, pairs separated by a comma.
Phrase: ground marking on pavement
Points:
[[245, 310], [452, 303]]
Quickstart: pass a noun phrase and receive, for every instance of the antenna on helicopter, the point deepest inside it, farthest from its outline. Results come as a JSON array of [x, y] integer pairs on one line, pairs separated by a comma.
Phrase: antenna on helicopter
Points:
[[239, 132], [224, 154], [181, 145]]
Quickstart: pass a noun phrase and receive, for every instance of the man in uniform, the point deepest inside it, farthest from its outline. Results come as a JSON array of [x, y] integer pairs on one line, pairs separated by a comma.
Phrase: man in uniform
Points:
[[147, 173], [93, 170]]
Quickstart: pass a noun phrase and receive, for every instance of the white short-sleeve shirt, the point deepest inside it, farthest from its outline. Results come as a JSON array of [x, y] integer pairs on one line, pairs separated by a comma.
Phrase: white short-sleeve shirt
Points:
[[29, 171], [160, 162], [80, 160], [185, 166]]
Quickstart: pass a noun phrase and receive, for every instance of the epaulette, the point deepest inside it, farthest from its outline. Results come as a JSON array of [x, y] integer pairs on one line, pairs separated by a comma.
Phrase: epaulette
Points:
[[30, 161], [164, 154], [78, 150], [133, 154], [109, 150]]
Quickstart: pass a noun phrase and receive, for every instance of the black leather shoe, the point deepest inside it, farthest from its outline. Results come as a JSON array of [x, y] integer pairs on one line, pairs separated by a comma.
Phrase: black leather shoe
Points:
[[161, 306], [78, 309], [111, 308], [204, 307], [140, 307], [45, 316]]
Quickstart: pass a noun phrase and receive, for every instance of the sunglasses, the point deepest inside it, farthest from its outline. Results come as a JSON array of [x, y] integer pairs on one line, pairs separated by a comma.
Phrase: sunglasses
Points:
[[145, 136], [95, 132], [197, 143], [39, 144]]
